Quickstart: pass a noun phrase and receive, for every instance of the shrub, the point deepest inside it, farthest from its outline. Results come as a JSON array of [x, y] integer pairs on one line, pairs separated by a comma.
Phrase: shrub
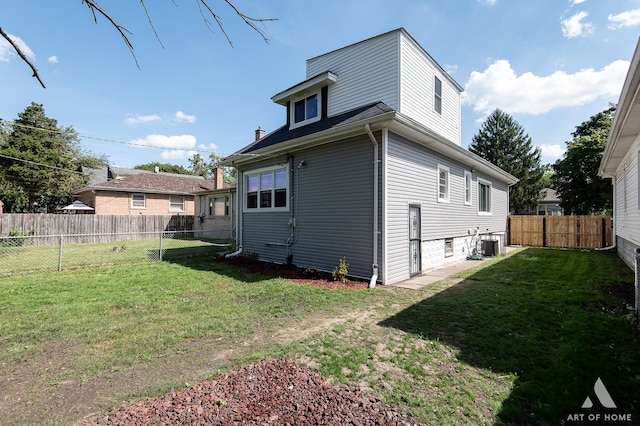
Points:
[[341, 271]]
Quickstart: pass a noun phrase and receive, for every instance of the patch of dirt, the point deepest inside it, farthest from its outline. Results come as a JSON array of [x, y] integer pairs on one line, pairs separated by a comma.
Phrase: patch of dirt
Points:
[[294, 273]]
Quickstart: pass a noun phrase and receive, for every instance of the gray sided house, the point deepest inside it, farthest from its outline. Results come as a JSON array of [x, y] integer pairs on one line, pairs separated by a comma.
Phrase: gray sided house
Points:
[[369, 166]]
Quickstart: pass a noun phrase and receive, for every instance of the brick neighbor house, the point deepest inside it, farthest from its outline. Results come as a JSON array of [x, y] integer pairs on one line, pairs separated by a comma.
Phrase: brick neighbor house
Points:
[[148, 193]]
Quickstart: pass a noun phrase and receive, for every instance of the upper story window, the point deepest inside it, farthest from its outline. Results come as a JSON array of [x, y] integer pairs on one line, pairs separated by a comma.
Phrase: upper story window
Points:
[[467, 187], [443, 184], [306, 110], [267, 190], [138, 201], [176, 204], [484, 197], [437, 96]]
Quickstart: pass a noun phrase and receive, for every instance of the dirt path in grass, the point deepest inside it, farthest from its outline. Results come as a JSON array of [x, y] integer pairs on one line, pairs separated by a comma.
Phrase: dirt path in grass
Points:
[[45, 388]]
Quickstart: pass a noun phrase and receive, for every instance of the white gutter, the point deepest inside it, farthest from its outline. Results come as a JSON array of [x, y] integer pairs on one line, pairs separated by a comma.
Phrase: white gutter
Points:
[[374, 276]]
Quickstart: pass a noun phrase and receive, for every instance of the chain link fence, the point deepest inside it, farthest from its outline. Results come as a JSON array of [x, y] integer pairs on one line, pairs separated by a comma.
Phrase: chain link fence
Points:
[[55, 253]]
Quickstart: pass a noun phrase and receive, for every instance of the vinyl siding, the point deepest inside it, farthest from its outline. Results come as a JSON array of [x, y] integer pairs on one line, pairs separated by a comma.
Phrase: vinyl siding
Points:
[[411, 172], [417, 95], [333, 208], [367, 72], [627, 201]]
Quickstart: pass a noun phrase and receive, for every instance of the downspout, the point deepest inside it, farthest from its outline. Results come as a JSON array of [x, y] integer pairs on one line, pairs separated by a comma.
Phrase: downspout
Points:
[[374, 276], [613, 207], [238, 217]]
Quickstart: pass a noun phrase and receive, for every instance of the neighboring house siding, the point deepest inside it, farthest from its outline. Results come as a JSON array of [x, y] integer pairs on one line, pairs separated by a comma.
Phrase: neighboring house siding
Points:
[[417, 97], [367, 73], [627, 206], [116, 203], [411, 172]]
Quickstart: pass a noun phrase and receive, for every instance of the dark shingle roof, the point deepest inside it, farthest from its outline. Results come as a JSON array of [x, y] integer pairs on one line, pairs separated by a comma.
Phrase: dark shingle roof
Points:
[[284, 134], [156, 183]]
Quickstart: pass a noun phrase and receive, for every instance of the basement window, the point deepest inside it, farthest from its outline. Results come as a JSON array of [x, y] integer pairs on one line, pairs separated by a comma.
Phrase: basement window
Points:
[[448, 247]]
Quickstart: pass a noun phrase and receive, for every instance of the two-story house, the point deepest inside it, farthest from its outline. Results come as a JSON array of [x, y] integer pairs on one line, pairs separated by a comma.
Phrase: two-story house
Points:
[[368, 166]]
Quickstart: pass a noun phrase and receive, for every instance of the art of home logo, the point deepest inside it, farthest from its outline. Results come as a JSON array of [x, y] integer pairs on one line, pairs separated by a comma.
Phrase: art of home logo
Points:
[[593, 413]]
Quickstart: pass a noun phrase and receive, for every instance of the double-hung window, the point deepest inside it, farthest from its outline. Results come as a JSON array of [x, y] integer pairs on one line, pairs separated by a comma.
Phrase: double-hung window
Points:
[[266, 190], [138, 201], [443, 184], [176, 204], [484, 197]]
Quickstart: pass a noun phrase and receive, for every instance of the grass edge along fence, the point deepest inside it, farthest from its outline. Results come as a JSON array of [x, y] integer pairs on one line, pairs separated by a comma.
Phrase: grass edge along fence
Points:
[[576, 232], [54, 253]]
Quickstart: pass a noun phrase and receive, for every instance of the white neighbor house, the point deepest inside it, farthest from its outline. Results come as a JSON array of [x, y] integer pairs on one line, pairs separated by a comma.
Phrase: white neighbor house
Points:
[[620, 163]]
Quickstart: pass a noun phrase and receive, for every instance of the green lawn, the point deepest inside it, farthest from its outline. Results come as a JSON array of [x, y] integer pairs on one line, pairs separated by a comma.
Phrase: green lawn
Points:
[[520, 339]]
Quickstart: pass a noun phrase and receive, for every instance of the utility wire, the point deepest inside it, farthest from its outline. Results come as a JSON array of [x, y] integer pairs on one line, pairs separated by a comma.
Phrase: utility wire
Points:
[[40, 164]]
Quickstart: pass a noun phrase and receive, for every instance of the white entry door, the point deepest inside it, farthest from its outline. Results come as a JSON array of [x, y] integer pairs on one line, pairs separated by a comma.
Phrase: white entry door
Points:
[[415, 255]]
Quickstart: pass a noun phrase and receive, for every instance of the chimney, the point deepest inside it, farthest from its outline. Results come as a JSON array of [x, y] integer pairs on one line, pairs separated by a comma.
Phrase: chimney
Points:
[[259, 133], [219, 178]]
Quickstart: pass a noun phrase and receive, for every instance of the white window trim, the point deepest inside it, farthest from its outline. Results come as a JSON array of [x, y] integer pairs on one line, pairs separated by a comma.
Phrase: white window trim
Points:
[[144, 200], [173, 209], [445, 199], [437, 97], [245, 178], [292, 110], [490, 185], [468, 188]]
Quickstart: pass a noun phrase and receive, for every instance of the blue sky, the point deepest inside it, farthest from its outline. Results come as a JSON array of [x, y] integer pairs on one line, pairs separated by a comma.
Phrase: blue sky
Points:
[[551, 64]]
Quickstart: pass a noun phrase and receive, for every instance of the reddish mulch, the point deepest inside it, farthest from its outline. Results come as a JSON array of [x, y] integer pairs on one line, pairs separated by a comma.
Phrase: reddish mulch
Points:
[[269, 392], [294, 273]]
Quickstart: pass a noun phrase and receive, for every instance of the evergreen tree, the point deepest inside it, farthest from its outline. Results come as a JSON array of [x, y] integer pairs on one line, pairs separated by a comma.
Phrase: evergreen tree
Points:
[[39, 162], [581, 190], [503, 142]]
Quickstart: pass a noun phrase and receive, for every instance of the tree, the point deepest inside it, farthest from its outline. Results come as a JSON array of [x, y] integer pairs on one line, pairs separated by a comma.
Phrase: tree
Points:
[[164, 168], [201, 167], [576, 178], [503, 142], [203, 6], [40, 162]]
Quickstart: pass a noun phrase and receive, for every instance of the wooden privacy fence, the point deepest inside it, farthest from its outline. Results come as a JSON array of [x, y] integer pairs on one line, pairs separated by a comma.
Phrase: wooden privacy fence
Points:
[[580, 232], [71, 224]]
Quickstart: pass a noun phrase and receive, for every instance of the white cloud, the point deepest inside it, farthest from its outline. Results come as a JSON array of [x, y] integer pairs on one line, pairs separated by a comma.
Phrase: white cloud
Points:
[[499, 87], [630, 18], [177, 154], [573, 27], [7, 50], [211, 146], [53, 59], [574, 2], [181, 116], [450, 69], [163, 141], [551, 152], [142, 119], [489, 2]]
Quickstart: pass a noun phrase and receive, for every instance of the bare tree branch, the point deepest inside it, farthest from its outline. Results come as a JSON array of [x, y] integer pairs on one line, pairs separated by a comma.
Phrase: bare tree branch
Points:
[[203, 6], [22, 56], [91, 4]]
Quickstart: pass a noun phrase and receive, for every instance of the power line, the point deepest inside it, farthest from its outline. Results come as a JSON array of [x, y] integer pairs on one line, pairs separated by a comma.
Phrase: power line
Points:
[[13, 123], [40, 164]]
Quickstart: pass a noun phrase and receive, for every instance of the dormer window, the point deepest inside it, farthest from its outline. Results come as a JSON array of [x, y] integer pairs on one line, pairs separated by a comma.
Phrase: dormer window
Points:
[[306, 102], [306, 109]]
